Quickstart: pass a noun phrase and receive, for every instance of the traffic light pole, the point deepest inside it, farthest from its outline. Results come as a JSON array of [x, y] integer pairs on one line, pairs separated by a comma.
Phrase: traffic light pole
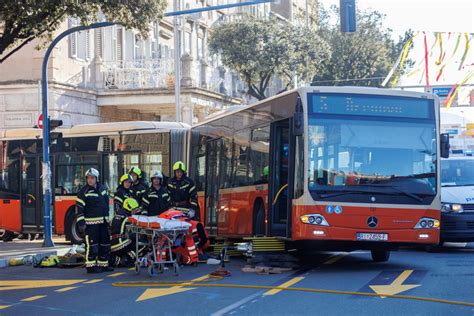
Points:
[[46, 167]]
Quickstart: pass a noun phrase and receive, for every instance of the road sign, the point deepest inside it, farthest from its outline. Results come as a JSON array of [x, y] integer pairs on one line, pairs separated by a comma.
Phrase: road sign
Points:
[[40, 121], [441, 91]]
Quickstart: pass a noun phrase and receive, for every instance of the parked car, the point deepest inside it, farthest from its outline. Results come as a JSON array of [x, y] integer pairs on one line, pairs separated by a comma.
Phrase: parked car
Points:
[[457, 197]]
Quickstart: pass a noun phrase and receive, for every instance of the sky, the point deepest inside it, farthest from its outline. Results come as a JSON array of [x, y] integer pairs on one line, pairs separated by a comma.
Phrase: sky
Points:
[[421, 15]]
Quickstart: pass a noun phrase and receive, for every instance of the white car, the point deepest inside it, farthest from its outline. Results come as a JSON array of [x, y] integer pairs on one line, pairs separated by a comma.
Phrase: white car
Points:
[[457, 197]]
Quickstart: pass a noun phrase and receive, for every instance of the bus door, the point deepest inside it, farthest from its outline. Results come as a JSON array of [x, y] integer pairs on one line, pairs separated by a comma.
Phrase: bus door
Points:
[[211, 195], [279, 203], [31, 195]]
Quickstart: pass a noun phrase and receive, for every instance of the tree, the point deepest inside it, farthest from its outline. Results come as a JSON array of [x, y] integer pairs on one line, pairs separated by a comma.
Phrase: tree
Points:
[[21, 21], [260, 49], [362, 58]]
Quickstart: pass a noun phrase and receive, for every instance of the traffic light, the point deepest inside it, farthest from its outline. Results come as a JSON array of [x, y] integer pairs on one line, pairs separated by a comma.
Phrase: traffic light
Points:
[[347, 11], [54, 137]]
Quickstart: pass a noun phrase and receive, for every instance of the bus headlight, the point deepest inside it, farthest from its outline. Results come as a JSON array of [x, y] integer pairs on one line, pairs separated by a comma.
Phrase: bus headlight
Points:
[[455, 208], [314, 219], [426, 223]]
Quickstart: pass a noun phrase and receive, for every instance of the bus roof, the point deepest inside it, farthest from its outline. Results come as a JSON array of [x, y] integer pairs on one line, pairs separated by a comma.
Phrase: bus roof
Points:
[[95, 129]]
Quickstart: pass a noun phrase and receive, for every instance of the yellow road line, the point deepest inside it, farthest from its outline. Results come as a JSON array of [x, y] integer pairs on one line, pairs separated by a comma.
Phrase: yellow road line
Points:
[[65, 289], [113, 275], [93, 281], [284, 285], [33, 298], [131, 269], [4, 306], [335, 258]]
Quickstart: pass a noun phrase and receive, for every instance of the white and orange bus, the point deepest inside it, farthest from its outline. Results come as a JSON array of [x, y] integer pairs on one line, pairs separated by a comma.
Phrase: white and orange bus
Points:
[[337, 168], [112, 148]]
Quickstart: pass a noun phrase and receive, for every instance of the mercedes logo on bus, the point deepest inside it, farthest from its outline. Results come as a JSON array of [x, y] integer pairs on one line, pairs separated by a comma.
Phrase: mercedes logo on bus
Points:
[[372, 221]]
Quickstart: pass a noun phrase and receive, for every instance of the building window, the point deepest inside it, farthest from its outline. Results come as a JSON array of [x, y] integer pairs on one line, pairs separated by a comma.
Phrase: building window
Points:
[[187, 42]]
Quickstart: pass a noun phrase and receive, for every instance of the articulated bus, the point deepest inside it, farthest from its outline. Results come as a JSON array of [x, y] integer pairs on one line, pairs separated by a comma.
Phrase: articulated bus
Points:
[[112, 148], [334, 168]]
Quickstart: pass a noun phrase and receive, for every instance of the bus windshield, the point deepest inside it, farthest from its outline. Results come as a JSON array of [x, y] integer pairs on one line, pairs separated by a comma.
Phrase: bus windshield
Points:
[[379, 151], [457, 172]]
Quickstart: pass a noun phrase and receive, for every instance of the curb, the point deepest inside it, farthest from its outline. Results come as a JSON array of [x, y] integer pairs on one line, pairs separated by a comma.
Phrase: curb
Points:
[[4, 262]]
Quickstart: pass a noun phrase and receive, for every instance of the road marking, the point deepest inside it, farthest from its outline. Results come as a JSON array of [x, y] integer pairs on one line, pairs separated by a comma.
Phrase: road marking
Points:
[[65, 289], [284, 285], [396, 286], [131, 269], [4, 306], [33, 298], [153, 293], [7, 285], [335, 258], [113, 275], [93, 281]]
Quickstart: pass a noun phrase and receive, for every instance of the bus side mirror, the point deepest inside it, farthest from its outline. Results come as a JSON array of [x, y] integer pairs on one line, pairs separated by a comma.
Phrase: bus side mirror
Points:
[[298, 119], [444, 144]]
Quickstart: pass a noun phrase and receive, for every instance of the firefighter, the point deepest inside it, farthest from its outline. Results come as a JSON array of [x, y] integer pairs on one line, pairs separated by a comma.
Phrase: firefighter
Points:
[[182, 191], [122, 252], [138, 188], [93, 212], [123, 191], [156, 200]]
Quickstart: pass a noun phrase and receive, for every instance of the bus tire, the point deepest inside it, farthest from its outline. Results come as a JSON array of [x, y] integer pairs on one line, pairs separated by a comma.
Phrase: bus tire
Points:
[[7, 235], [380, 255], [259, 218], [71, 228]]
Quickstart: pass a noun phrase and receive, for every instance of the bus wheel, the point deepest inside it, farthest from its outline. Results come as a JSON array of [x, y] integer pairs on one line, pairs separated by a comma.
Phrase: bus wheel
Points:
[[71, 229], [259, 219], [380, 255]]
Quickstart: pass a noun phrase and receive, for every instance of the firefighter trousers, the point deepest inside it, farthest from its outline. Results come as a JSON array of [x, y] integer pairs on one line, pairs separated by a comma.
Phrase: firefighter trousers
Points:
[[124, 257], [97, 245]]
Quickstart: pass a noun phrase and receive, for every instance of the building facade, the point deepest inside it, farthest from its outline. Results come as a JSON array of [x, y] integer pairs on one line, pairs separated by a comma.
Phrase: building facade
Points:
[[111, 74]]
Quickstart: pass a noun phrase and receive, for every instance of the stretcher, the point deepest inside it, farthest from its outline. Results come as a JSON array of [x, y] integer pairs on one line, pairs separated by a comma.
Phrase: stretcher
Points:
[[159, 236]]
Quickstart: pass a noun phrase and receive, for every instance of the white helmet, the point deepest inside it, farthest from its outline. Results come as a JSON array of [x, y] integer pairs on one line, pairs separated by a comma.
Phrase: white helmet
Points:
[[93, 172], [157, 174]]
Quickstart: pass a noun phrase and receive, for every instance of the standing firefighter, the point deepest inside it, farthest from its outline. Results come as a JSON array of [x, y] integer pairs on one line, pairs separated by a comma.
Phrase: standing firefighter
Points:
[[183, 191], [123, 245], [93, 212], [123, 191], [138, 188], [156, 200]]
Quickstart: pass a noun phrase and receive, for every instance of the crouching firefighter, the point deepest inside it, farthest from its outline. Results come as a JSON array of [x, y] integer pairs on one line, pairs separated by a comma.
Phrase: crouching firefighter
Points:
[[183, 192], [93, 212], [122, 252], [123, 191]]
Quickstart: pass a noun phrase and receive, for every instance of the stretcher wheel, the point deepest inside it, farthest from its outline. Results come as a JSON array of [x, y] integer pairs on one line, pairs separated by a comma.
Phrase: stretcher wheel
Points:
[[151, 270], [137, 267], [160, 268], [176, 268]]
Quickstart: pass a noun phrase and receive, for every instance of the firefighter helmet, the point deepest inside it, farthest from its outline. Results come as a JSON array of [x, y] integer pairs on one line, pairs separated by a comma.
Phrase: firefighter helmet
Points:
[[130, 204], [179, 165], [157, 174], [136, 171], [125, 177], [93, 173]]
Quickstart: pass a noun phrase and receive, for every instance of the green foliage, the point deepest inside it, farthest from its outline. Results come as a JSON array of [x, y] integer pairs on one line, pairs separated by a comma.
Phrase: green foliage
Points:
[[260, 49], [21, 21], [368, 53]]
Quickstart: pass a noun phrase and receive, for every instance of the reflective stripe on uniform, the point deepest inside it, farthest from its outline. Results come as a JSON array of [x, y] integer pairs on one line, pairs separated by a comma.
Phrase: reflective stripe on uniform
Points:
[[78, 200], [91, 194], [120, 245], [193, 188], [118, 199], [146, 201], [94, 220], [101, 263], [104, 192], [80, 218]]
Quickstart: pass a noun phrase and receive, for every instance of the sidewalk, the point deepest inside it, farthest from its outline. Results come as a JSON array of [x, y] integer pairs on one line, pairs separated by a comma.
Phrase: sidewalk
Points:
[[21, 248]]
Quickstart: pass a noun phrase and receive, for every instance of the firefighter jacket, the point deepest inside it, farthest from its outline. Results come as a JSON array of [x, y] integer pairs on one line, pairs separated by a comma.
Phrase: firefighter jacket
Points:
[[92, 204], [138, 190], [155, 201], [183, 193], [120, 196]]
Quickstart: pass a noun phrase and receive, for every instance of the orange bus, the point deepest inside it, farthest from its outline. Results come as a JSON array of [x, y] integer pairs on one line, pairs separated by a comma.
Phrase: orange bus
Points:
[[334, 168], [112, 148]]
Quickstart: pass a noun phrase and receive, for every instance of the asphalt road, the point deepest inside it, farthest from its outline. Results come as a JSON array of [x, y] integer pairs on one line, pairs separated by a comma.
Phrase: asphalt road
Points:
[[447, 276]]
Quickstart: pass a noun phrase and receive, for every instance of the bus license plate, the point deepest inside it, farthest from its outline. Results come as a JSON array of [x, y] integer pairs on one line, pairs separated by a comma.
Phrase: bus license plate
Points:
[[372, 236]]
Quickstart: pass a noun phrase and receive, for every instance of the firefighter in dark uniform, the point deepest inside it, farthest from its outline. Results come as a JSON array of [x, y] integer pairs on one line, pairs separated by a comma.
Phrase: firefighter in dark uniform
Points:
[[93, 212], [156, 200], [182, 191], [123, 191], [122, 252], [138, 188]]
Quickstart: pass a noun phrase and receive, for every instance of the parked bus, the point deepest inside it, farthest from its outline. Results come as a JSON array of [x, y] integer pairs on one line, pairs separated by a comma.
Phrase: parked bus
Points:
[[337, 168], [112, 148]]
